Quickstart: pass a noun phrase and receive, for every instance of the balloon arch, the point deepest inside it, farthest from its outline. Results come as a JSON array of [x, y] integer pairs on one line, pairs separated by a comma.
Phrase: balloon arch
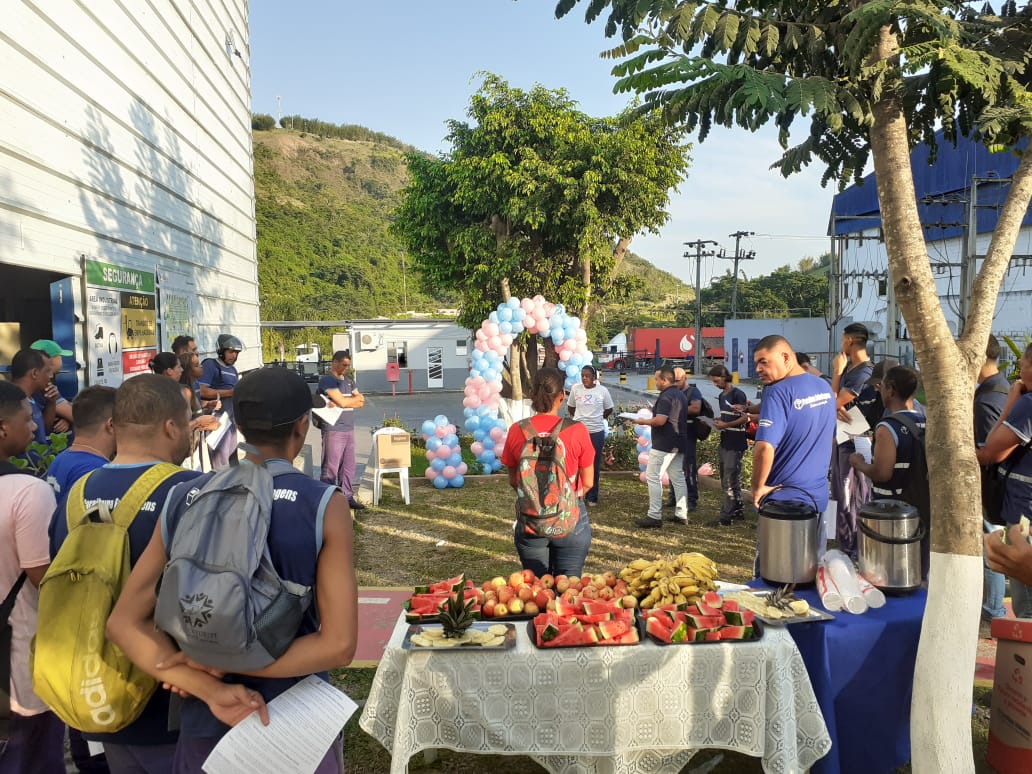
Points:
[[482, 401]]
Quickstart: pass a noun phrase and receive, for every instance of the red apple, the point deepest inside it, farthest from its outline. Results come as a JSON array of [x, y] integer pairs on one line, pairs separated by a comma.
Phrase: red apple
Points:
[[501, 610], [550, 607], [598, 581], [525, 593], [630, 602], [531, 608], [610, 578], [585, 580], [547, 581], [505, 595], [541, 598], [605, 592], [487, 585], [491, 595], [488, 609], [529, 576], [589, 592], [516, 579], [498, 581], [516, 606]]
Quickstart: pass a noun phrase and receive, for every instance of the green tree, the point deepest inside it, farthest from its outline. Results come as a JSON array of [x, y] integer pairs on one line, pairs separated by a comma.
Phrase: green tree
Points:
[[262, 122], [536, 197], [868, 80]]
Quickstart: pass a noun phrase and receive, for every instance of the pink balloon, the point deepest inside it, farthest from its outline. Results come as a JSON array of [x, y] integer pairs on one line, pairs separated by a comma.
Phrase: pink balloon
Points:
[[643, 441], [430, 474], [430, 455], [462, 468], [643, 458], [497, 433], [539, 300], [477, 380], [564, 355], [641, 477], [542, 327], [580, 335], [527, 304], [449, 472], [443, 452], [495, 342], [665, 479], [481, 334], [440, 432], [477, 448], [491, 329], [471, 401], [450, 429]]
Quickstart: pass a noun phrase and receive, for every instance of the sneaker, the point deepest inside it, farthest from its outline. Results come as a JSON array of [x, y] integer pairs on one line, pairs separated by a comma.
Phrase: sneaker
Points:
[[648, 523], [717, 523], [671, 517], [356, 505]]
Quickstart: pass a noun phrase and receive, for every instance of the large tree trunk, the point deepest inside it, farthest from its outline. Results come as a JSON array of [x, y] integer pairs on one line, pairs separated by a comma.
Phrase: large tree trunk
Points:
[[940, 709]]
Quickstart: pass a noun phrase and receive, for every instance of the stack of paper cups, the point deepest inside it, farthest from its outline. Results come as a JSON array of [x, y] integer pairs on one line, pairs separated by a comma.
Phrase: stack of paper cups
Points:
[[873, 595], [829, 593], [843, 575]]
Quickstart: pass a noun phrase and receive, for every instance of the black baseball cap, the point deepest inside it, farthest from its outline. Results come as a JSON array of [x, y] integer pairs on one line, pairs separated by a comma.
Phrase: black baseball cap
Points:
[[271, 397]]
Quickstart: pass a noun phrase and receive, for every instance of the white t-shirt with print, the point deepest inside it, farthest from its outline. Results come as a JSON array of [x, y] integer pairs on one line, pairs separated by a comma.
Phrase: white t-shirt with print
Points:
[[590, 405]]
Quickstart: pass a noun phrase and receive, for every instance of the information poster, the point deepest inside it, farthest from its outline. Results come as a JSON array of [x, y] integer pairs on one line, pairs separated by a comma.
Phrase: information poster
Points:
[[176, 302], [121, 321]]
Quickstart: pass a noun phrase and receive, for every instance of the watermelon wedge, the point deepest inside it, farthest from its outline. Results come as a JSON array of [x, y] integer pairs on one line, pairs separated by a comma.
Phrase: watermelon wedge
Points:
[[655, 627]]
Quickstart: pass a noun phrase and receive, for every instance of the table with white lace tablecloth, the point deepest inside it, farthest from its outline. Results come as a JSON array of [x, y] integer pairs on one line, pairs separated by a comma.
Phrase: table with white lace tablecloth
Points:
[[639, 709]]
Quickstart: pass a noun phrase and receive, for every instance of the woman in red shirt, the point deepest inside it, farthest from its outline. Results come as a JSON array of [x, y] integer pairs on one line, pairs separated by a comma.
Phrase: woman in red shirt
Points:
[[547, 545]]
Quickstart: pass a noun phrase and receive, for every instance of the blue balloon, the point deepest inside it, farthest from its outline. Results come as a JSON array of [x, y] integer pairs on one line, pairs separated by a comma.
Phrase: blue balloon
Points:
[[496, 466], [478, 434], [477, 354], [450, 440], [440, 482], [466, 412], [428, 427], [437, 464], [472, 422], [456, 481], [572, 371], [493, 317], [433, 443], [505, 326], [490, 375], [487, 457], [455, 460], [519, 314], [504, 314], [513, 302], [440, 420]]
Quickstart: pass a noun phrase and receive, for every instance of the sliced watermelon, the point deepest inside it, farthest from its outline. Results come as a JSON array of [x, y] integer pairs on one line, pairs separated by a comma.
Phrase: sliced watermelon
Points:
[[705, 609], [597, 618], [655, 627], [595, 607], [611, 630], [736, 633], [713, 599], [680, 633], [739, 617], [692, 610], [571, 635], [713, 635], [590, 636], [630, 638], [549, 632], [731, 604], [564, 608]]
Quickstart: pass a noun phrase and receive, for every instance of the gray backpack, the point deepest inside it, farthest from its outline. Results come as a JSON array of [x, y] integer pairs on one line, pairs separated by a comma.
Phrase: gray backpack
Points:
[[220, 598]]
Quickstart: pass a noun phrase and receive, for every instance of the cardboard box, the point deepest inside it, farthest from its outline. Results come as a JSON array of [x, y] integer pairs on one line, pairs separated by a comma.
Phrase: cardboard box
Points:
[[1010, 726], [393, 450]]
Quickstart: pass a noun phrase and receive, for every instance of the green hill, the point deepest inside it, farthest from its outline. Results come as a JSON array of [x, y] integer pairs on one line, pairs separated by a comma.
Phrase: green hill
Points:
[[323, 208]]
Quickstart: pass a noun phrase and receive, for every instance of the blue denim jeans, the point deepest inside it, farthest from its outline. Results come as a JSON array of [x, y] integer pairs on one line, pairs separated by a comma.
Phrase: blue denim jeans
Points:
[[598, 440], [556, 556], [994, 587]]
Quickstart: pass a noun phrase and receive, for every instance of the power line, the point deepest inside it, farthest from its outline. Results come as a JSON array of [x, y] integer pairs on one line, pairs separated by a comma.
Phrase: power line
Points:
[[737, 257]]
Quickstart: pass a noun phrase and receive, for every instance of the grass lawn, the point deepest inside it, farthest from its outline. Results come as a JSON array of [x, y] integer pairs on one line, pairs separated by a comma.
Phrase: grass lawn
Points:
[[397, 545]]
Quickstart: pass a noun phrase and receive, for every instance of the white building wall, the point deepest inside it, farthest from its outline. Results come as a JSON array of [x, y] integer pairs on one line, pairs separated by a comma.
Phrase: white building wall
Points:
[[863, 293], [805, 334], [125, 136]]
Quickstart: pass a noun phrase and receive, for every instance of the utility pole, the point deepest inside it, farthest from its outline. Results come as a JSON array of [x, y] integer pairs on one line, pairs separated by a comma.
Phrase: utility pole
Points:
[[969, 256], [698, 244], [279, 111], [737, 257]]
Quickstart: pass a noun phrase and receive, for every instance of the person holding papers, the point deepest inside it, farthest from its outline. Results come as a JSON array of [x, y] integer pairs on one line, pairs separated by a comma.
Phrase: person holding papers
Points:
[[898, 440], [733, 444], [850, 371], [338, 439]]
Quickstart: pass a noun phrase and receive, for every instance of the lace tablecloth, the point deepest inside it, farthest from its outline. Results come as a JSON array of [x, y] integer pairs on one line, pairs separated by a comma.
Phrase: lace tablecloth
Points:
[[638, 709]]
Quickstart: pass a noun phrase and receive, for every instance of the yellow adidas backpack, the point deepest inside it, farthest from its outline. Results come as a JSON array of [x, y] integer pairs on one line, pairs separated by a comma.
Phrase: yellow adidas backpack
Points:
[[87, 681]]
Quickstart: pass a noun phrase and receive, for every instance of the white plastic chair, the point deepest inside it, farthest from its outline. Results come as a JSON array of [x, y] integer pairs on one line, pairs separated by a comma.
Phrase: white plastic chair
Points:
[[379, 473]]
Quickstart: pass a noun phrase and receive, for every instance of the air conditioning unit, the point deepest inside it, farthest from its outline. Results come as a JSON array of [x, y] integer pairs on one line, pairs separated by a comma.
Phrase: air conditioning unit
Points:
[[368, 342]]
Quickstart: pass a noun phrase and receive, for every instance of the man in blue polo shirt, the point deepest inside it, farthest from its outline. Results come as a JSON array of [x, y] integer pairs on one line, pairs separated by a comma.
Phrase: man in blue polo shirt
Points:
[[94, 443], [796, 430], [338, 440]]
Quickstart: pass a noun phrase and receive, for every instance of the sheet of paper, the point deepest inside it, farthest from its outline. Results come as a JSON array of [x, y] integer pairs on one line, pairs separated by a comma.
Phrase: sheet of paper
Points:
[[329, 415], [706, 420], [863, 447], [303, 722], [215, 436], [627, 415], [856, 425]]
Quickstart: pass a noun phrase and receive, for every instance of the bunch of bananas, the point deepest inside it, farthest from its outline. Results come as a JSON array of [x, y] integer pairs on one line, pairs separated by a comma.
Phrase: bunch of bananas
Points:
[[679, 581]]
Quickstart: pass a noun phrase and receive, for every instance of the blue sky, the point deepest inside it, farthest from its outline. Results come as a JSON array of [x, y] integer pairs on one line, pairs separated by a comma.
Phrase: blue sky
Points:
[[404, 67]]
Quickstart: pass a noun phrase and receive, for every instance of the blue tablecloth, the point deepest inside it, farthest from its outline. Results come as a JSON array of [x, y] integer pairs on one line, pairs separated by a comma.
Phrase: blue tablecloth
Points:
[[862, 671]]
